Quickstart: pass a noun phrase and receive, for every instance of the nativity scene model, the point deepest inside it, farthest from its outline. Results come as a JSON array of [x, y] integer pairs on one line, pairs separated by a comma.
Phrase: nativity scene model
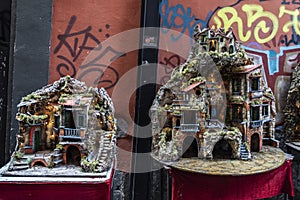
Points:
[[64, 124], [292, 109], [216, 105]]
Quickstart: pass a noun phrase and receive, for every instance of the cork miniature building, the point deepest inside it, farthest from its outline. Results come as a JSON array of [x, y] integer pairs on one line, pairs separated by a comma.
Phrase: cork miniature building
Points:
[[65, 123], [292, 109], [216, 105]]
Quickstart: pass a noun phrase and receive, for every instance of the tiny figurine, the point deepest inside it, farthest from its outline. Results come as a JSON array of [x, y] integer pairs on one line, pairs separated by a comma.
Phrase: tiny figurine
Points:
[[65, 124], [216, 105]]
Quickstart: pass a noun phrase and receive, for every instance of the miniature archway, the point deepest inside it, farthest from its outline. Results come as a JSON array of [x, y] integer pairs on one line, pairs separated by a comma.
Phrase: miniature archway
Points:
[[190, 147], [35, 136], [255, 142], [222, 150], [73, 155], [38, 162]]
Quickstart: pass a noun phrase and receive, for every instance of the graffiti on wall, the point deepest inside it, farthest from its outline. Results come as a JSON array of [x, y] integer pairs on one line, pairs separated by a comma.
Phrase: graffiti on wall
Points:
[[78, 43], [268, 30], [169, 62], [80, 47]]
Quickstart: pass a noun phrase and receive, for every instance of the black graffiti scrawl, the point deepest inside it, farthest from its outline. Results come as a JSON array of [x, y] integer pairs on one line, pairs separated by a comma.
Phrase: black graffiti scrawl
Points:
[[78, 43]]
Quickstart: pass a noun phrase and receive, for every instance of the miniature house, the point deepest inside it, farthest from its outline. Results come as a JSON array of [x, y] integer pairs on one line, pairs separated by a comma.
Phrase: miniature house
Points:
[[193, 116], [292, 109], [65, 123], [250, 105]]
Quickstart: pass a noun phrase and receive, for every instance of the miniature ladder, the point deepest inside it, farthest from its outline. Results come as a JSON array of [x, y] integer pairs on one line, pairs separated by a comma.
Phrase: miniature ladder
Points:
[[245, 155]]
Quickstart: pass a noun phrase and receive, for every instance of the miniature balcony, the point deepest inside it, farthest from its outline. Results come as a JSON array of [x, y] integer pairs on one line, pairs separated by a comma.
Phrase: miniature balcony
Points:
[[189, 128], [214, 123], [70, 133], [255, 124]]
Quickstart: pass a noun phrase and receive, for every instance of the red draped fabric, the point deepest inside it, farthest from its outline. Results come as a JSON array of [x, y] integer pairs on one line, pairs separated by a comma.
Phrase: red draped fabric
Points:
[[190, 186], [56, 190]]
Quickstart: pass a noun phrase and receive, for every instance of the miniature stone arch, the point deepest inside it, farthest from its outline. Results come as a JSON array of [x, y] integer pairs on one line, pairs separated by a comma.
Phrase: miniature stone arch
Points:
[[222, 150], [190, 147]]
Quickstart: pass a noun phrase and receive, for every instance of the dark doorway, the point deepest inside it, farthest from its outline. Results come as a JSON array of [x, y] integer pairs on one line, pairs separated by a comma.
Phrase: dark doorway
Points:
[[222, 150], [69, 119], [177, 122], [190, 147], [36, 140], [255, 142], [73, 156]]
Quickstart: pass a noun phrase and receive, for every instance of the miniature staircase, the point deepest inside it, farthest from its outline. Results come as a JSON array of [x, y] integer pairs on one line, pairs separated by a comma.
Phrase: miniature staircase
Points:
[[57, 158], [245, 155], [21, 164], [105, 150]]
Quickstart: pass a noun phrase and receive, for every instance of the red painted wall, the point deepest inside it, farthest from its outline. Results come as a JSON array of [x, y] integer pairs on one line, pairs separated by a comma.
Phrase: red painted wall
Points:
[[80, 26]]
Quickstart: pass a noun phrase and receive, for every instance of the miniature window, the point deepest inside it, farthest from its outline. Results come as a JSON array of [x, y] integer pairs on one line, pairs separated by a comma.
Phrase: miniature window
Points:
[[81, 120], [265, 110], [236, 86], [177, 122], [255, 84], [56, 121], [213, 113], [198, 92], [69, 120], [224, 49], [231, 49], [255, 113], [189, 117], [237, 113], [212, 46]]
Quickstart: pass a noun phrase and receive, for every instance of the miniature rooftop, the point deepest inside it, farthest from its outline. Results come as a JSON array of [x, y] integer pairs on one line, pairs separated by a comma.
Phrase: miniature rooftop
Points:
[[64, 124]]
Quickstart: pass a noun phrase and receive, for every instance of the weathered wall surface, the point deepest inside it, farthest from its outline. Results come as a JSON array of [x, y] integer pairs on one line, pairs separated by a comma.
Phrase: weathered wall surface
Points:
[[80, 26], [83, 46]]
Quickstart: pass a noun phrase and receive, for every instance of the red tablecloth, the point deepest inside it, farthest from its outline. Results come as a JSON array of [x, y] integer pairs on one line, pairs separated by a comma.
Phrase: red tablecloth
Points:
[[52, 189], [190, 186]]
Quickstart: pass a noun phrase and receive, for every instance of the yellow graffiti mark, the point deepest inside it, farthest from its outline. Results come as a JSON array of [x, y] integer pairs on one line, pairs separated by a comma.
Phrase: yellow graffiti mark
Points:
[[293, 23], [256, 12], [265, 22], [224, 14], [228, 16]]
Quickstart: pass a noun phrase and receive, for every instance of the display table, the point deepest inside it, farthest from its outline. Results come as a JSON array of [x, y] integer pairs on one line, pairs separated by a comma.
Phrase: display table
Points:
[[55, 188], [190, 185]]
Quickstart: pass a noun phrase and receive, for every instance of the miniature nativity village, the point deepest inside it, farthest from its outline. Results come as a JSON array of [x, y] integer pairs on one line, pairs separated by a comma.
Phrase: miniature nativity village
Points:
[[216, 105], [292, 109], [65, 123]]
